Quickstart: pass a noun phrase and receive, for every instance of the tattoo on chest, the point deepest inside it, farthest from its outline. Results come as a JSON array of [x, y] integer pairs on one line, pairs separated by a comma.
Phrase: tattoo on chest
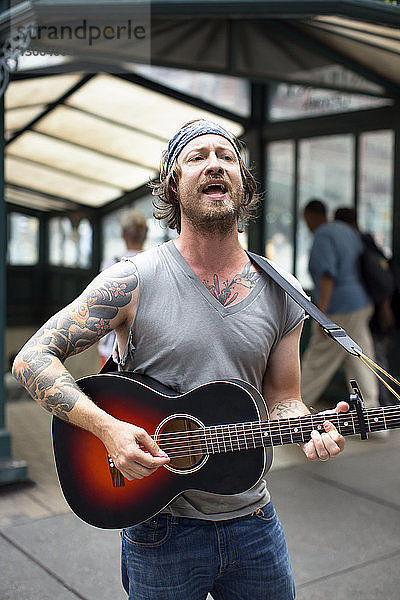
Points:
[[227, 292]]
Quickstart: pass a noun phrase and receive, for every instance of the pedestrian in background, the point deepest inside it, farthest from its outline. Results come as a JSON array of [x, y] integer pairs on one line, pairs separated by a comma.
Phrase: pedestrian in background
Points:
[[339, 293], [134, 233], [382, 322]]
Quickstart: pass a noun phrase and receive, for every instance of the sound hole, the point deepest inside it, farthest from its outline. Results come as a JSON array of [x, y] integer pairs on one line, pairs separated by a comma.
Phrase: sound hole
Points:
[[182, 439]]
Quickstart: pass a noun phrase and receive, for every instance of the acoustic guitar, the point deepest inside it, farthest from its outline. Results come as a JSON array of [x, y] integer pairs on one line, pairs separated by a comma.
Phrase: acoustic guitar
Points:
[[218, 438]]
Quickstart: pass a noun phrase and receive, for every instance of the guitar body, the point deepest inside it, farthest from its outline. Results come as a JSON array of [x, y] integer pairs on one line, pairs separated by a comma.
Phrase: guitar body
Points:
[[82, 464]]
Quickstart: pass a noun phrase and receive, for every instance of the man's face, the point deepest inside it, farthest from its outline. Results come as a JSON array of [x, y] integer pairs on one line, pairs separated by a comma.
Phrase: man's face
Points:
[[210, 184]]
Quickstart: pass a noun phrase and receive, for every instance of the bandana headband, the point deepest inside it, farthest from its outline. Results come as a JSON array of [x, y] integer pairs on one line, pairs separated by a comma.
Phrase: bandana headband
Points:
[[189, 133]]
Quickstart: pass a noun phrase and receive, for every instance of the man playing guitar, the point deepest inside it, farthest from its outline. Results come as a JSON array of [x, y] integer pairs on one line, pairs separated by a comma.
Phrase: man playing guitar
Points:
[[189, 311]]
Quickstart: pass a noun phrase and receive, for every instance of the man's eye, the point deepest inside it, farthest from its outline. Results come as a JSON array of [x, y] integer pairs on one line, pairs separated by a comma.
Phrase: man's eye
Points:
[[197, 157]]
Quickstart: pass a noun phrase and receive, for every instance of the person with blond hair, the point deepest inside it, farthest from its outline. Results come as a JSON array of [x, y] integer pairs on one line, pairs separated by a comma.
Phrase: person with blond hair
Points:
[[134, 233]]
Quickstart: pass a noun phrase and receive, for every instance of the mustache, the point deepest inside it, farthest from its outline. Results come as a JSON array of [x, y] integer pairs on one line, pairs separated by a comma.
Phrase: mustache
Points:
[[213, 179]]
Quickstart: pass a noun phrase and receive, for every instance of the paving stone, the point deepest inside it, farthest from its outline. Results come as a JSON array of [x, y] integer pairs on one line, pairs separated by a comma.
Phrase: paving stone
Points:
[[22, 579], [329, 529], [85, 558], [374, 581], [373, 472]]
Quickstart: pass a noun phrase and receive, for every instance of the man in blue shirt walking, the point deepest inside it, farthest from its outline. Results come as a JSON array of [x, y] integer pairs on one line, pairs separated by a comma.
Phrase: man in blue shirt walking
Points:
[[339, 293]]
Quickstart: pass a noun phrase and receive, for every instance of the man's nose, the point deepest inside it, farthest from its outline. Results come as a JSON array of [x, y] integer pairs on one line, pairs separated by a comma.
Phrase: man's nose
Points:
[[214, 165]]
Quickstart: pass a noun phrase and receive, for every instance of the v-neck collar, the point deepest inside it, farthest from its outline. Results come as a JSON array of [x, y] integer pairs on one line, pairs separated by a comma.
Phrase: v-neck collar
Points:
[[211, 299]]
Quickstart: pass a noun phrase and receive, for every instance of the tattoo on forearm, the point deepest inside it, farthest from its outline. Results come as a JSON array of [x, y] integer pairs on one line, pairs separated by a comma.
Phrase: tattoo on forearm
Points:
[[74, 329], [60, 397], [225, 291], [288, 409]]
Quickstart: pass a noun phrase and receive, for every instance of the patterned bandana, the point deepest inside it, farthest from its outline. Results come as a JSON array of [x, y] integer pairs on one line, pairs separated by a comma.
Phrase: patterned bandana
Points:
[[187, 134]]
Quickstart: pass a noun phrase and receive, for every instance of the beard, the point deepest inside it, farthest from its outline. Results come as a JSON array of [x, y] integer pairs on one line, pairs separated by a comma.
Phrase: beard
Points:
[[208, 216]]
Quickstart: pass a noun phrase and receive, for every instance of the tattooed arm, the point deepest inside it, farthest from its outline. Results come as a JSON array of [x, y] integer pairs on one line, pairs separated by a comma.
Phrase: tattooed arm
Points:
[[108, 303], [282, 395]]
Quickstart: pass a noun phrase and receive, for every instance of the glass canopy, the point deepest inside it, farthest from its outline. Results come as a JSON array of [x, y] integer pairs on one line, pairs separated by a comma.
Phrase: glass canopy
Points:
[[88, 140]]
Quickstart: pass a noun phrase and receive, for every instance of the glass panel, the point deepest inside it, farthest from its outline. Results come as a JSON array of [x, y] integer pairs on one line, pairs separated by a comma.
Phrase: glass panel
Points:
[[296, 101], [113, 244], [79, 161], [351, 24], [384, 37], [17, 118], [279, 203], [231, 93], [375, 192], [91, 131], [55, 242], [23, 245], [44, 179], [40, 90], [85, 243], [70, 246], [326, 172], [138, 107]]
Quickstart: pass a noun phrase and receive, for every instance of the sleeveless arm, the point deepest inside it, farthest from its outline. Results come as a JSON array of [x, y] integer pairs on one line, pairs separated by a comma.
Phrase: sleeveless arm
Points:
[[282, 395], [103, 306]]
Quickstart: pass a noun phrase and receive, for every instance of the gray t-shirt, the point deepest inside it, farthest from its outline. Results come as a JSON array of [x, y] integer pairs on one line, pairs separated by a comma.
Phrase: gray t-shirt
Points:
[[184, 337]]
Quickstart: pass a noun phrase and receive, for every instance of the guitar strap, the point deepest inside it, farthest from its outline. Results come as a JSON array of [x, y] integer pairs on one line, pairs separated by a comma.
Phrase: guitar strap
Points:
[[333, 330]]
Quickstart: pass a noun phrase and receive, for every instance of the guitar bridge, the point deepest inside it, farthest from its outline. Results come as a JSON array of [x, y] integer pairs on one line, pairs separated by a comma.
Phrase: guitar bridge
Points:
[[116, 475]]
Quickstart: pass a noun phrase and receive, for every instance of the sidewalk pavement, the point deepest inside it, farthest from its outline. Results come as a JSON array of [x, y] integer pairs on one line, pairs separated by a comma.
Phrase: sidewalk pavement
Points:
[[341, 518]]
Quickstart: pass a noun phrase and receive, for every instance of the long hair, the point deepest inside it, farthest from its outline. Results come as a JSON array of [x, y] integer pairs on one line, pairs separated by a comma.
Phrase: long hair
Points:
[[166, 197]]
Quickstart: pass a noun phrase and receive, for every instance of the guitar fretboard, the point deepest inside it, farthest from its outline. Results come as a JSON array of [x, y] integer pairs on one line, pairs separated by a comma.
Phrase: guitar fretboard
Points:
[[243, 436]]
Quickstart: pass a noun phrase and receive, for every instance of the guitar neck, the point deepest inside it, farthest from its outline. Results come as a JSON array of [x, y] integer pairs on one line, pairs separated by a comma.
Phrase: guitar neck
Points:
[[242, 436]]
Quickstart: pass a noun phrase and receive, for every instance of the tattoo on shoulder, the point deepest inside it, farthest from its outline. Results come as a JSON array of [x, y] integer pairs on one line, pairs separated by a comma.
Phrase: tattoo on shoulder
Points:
[[88, 318], [72, 330], [226, 291]]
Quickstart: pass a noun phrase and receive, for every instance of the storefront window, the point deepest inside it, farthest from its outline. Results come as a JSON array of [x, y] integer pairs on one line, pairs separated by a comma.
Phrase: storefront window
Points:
[[326, 172], [298, 101], [23, 246], [70, 245], [279, 203], [375, 187]]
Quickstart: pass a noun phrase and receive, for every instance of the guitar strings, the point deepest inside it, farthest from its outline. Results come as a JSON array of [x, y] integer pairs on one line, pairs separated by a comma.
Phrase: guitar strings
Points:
[[225, 445], [381, 369], [222, 432], [280, 425], [275, 423], [241, 444], [229, 429], [374, 367]]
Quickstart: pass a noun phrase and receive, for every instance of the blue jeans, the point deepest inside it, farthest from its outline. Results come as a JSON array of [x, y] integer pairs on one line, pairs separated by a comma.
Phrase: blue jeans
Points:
[[175, 558]]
